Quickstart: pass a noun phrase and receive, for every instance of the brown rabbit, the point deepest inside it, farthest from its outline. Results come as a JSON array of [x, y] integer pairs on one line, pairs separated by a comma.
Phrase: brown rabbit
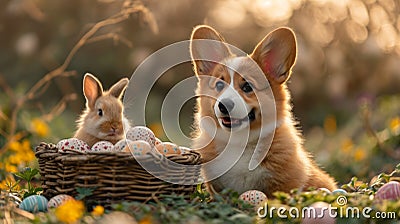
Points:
[[103, 117]]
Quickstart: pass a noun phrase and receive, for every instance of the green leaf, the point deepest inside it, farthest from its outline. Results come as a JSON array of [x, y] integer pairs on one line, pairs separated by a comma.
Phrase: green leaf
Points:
[[398, 167], [27, 174], [84, 192]]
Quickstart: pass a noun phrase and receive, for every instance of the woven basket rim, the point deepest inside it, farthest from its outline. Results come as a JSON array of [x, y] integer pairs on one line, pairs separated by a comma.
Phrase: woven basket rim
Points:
[[44, 147]]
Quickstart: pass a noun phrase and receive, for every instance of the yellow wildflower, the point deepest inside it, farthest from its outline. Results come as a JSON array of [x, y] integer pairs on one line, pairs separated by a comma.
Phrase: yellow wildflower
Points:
[[347, 146], [26, 145], [395, 125], [9, 181], [15, 158], [70, 212], [359, 154], [29, 156], [14, 146], [4, 184], [10, 168], [330, 124], [22, 152], [39, 127], [98, 210]]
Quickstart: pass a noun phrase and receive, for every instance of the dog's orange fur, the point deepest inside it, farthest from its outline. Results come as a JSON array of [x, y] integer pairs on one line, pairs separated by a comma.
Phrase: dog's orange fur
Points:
[[289, 165]]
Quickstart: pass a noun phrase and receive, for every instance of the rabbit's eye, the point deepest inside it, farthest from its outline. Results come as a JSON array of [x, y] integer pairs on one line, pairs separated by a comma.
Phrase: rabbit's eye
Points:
[[100, 112]]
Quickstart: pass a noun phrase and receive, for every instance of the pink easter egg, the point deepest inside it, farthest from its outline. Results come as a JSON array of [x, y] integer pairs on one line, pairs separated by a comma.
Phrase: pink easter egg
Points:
[[253, 197], [138, 148], [389, 191], [58, 200], [317, 213], [141, 133], [102, 146], [168, 148], [72, 144]]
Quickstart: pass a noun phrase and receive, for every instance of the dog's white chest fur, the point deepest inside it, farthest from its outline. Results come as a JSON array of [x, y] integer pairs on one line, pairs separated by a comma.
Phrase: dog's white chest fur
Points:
[[240, 178]]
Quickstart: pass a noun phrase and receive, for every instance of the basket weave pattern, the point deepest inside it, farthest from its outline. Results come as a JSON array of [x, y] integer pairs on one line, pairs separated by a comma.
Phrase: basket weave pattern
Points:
[[115, 177]]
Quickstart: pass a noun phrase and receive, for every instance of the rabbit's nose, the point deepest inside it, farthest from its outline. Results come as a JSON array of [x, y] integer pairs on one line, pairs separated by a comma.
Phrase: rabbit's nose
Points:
[[115, 126]]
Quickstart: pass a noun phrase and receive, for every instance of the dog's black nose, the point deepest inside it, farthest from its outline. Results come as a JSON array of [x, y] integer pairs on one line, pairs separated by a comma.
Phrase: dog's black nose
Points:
[[226, 106]]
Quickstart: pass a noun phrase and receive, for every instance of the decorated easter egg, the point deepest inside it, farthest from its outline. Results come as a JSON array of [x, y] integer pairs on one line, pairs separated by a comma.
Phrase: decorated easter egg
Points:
[[168, 148], [121, 145], [102, 146], [138, 148], [253, 197], [389, 191], [13, 197], [141, 133], [158, 141], [34, 203], [58, 200], [339, 191], [72, 144], [317, 213], [184, 149], [326, 190]]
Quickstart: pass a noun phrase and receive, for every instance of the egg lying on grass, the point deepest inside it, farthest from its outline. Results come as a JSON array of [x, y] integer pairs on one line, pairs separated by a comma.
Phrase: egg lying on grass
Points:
[[253, 197], [58, 200], [318, 213], [34, 203], [389, 191]]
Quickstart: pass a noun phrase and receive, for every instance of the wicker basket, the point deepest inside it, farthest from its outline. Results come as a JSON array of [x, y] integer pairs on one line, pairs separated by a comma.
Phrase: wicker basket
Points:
[[115, 177]]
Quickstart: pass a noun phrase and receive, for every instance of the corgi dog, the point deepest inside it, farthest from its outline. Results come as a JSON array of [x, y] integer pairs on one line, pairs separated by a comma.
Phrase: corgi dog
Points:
[[244, 125]]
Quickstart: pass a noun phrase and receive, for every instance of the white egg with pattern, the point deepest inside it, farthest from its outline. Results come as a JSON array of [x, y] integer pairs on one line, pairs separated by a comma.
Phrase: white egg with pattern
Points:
[[73, 144], [141, 133], [253, 197], [58, 200], [102, 146]]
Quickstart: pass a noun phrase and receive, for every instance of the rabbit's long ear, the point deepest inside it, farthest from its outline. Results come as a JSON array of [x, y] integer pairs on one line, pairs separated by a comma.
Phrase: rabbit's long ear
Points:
[[92, 89], [118, 88]]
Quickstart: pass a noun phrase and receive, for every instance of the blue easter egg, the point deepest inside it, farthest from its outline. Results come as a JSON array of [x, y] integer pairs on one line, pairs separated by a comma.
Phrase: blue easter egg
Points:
[[34, 203]]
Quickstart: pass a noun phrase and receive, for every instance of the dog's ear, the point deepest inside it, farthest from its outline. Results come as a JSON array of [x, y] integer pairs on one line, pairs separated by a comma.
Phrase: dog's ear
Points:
[[276, 54], [207, 48]]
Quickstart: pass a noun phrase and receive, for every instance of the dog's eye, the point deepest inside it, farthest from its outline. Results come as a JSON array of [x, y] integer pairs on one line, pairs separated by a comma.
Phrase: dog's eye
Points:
[[247, 87], [219, 86], [100, 112]]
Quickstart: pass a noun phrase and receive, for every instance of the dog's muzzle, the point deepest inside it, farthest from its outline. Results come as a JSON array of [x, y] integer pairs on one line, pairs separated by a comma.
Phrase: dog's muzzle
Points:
[[230, 122]]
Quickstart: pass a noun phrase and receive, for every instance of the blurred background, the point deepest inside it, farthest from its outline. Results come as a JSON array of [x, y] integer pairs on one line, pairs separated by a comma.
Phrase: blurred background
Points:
[[345, 85]]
